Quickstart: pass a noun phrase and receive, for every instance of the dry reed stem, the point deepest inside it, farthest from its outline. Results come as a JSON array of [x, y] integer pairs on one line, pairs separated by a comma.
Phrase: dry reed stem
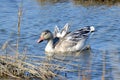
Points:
[[4, 46], [21, 66], [19, 25], [19, 16], [68, 63], [104, 65]]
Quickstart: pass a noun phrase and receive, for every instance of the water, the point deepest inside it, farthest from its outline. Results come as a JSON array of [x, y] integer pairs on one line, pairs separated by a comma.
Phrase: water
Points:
[[105, 48]]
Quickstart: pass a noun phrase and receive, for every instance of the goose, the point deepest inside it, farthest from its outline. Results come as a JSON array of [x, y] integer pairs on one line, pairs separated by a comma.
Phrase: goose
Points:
[[72, 42]]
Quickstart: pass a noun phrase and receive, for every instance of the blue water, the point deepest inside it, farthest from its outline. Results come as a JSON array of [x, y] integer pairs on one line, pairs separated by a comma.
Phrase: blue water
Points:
[[36, 17]]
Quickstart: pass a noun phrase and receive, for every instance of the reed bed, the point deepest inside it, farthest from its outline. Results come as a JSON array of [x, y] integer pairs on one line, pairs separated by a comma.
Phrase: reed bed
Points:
[[22, 67]]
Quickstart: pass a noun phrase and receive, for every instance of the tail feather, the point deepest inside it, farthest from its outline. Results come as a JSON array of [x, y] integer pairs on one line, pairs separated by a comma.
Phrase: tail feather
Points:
[[92, 28]]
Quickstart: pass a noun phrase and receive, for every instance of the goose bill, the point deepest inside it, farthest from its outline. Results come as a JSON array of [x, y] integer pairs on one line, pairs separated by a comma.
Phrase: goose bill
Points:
[[40, 39]]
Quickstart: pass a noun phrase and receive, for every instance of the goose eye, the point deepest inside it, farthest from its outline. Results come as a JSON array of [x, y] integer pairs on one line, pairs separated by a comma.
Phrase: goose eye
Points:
[[45, 33]]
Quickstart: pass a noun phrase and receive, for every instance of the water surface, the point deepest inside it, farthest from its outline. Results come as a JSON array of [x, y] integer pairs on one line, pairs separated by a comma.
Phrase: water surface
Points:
[[38, 16]]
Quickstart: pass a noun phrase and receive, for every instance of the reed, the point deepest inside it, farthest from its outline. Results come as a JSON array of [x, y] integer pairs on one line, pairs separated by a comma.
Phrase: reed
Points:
[[19, 16], [104, 66], [20, 11]]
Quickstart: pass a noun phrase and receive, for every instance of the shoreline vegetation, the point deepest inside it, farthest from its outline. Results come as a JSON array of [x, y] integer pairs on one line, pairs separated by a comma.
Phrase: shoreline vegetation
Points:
[[83, 2], [24, 68]]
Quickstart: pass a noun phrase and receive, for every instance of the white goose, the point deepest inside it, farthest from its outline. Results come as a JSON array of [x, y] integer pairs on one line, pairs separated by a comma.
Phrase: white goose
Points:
[[74, 41]]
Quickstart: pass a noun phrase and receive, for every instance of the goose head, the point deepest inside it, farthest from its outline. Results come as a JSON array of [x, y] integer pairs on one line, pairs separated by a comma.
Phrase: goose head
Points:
[[45, 35]]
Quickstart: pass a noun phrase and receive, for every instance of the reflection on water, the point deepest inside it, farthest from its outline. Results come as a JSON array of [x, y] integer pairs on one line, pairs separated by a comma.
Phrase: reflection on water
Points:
[[42, 2], [76, 64], [71, 55]]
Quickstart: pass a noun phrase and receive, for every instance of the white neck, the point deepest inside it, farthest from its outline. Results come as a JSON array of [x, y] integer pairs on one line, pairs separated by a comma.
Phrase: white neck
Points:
[[49, 47]]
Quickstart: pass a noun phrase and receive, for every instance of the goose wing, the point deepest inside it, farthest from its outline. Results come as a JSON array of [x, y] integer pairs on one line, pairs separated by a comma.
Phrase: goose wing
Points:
[[79, 34]]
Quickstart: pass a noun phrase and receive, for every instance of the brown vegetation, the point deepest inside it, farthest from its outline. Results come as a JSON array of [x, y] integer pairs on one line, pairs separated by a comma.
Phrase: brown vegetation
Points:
[[83, 2], [22, 67]]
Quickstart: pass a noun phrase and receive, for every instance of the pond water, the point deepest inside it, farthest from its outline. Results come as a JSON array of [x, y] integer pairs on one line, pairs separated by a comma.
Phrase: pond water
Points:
[[37, 16]]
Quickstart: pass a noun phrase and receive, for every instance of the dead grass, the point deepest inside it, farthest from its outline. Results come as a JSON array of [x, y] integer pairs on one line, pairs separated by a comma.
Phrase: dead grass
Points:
[[22, 67]]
